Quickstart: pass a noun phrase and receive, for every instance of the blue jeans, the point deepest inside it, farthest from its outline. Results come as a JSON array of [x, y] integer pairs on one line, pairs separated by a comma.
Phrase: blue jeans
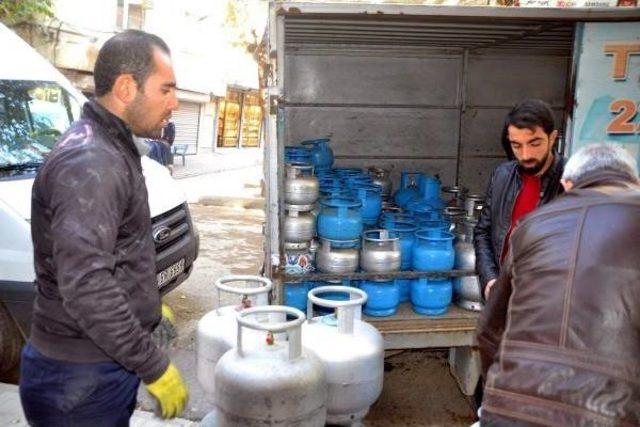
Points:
[[64, 394]]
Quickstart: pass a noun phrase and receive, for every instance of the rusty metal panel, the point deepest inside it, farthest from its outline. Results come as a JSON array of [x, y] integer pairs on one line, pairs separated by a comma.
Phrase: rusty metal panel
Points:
[[383, 132], [504, 81], [341, 79]]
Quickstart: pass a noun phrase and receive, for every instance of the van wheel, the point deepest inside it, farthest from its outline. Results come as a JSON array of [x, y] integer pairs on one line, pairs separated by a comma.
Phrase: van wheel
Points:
[[10, 341]]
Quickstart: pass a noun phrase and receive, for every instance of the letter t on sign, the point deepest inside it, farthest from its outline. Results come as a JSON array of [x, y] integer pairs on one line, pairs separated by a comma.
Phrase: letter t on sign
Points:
[[621, 52]]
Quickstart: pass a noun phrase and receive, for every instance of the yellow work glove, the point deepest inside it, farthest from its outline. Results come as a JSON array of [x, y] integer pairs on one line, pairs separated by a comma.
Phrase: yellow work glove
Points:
[[167, 313], [170, 391]]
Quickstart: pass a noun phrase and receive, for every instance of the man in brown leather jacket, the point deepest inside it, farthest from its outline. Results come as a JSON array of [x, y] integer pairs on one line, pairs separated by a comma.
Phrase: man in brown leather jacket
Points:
[[560, 335]]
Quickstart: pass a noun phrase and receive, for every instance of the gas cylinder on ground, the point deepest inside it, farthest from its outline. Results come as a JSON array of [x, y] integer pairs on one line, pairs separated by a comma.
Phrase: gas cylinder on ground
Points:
[[352, 352], [277, 383], [216, 330]]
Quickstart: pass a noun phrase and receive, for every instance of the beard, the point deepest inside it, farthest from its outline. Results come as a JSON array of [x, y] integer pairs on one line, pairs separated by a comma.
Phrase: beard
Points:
[[536, 168], [136, 114]]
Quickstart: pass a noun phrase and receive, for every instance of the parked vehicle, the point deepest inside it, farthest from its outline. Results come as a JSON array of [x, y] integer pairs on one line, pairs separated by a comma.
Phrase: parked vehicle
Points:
[[37, 104]]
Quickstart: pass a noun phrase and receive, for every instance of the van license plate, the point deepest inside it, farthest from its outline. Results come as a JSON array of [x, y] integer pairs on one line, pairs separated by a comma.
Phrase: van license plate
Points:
[[170, 273]]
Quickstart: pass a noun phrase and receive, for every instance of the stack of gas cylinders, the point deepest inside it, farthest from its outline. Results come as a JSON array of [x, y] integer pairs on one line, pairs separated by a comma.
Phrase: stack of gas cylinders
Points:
[[361, 225]]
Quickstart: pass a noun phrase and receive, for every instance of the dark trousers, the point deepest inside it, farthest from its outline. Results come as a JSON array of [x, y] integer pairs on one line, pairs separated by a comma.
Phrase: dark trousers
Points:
[[63, 394]]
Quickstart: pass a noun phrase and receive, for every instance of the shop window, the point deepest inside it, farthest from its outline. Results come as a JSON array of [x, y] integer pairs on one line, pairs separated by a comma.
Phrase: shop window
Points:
[[240, 119]]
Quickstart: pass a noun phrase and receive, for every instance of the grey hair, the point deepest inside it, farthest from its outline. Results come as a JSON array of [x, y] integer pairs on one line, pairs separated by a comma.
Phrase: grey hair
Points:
[[600, 157]]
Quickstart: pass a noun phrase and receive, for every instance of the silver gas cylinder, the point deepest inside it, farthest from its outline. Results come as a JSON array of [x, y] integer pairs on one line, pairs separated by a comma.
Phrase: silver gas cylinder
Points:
[[380, 251], [338, 256], [216, 330], [455, 216], [301, 187], [273, 384], [351, 350], [473, 204], [299, 224], [454, 196], [467, 288], [381, 177]]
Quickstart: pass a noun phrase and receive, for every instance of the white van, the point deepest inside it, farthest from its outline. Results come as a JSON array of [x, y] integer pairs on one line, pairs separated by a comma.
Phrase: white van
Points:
[[37, 104]]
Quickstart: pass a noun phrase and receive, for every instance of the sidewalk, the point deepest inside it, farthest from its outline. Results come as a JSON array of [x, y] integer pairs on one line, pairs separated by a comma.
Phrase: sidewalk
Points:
[[11, 412], [215, 162]]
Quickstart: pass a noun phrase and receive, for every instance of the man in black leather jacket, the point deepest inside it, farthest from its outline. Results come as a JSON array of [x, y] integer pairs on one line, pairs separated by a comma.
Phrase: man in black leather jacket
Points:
[[518, 186], [97, 299]]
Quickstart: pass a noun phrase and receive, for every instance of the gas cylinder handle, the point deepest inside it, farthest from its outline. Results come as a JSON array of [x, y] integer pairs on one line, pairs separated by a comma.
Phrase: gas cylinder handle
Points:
[[263, 289], [292, 327], [347, 311]]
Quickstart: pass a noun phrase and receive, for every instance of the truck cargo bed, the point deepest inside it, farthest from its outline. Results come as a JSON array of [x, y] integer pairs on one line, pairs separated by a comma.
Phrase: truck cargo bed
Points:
[[407, 329]]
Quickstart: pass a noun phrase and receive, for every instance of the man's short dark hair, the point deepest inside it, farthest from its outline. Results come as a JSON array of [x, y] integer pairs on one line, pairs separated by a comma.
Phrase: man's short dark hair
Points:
[[129, 52], [528, 114]]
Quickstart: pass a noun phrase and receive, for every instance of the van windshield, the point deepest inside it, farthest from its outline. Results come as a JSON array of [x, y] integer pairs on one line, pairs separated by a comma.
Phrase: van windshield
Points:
[[33, 114]]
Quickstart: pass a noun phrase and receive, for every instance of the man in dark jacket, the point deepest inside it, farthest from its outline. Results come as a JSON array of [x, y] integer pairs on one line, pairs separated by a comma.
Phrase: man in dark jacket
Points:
[[559, 338], [97, 299], [519, 186]]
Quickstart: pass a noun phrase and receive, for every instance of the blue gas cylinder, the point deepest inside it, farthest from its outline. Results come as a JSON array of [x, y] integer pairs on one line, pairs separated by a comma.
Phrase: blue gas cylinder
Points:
[[408, 190], [429, 187], [294, 154], [431, 297], [333, 192], [347, 172], [432, 251], [371, 198], [383, 298], [404, 287], [295, 295], [422, 210], [340, 218], [439, 225], [355, 181], [387, 219], [406, 231], [321, 153]]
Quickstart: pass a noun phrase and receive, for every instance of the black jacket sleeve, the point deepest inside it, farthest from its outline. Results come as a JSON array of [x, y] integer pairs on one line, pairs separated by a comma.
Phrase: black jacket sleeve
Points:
[[88, 198], [493, 318], [486, 266]]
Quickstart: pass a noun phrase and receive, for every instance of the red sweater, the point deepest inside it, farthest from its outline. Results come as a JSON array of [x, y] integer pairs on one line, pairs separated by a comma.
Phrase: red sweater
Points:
[[526, 201]]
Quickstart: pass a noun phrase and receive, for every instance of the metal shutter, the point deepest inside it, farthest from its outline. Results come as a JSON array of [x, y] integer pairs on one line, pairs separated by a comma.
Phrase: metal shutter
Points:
[[187, 121]]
